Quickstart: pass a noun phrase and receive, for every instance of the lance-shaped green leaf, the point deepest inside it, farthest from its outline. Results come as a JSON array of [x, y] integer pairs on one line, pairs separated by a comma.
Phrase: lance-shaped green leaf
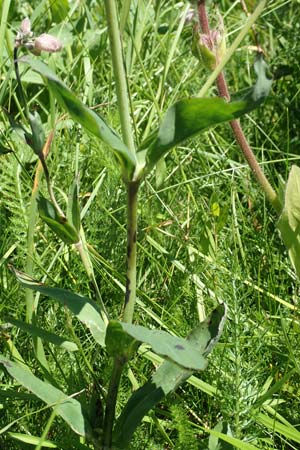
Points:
[[167, 378], [184, 352], [289, 221], [88, 118], [65, 406], [44, 335], [73, 210], [38, 133], [85, 309], [33, 440], [190, 116], [58, 224]]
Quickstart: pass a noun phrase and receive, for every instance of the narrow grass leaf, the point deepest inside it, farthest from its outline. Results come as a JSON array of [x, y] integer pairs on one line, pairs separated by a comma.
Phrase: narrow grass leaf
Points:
[[86, 117], [68, 408], [85, 309], [236, 443], [289, 432], [190, 116], [45, 335], [33, 440]]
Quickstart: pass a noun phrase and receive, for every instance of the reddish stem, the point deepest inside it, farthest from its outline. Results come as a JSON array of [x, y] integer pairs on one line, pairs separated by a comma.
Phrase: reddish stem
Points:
[[235, 124]]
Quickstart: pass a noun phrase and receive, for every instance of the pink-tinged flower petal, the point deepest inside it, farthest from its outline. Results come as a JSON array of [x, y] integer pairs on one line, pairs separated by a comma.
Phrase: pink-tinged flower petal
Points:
[[47, 43], [25, 27]]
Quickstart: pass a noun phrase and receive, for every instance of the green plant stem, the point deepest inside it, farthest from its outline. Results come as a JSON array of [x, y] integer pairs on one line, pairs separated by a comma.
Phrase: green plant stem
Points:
[[236, 126], [130, 293], [119, 73], [130, 298], [111, 402], [132, 195]]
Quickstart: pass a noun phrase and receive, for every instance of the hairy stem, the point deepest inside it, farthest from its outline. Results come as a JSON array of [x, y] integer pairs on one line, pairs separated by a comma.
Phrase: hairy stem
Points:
[[132, 191], [130, 294], [119, 73], [111, 402], [235, 124], [130, 297]]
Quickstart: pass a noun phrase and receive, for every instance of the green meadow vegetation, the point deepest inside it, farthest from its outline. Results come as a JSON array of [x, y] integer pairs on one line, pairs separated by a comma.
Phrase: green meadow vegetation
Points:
[[150, 255]]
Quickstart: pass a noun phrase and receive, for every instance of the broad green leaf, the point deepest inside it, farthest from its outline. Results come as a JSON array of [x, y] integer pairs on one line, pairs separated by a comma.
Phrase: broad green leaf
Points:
[[190, 116], [289, 221], [85, 309], [33, 440], [88, 118], [58, 224], [66, 407], [45, 335], [188, 353], [167, 378], [73, 210], [178, 349]]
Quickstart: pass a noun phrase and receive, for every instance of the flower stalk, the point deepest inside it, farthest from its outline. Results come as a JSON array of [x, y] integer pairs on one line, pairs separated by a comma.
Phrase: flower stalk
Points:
[[235, 124]]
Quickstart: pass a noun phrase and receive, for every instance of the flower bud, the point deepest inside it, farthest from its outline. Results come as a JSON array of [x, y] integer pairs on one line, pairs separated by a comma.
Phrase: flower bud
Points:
[[209, 48], [47, 43], [24, 34], [25, 27]]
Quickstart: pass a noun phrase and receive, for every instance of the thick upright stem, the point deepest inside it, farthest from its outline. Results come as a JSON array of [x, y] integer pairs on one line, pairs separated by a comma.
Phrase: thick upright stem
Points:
[[130, 294], [119, 73], [132, 191], [236, 127], [111, 402], [130, 297]]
